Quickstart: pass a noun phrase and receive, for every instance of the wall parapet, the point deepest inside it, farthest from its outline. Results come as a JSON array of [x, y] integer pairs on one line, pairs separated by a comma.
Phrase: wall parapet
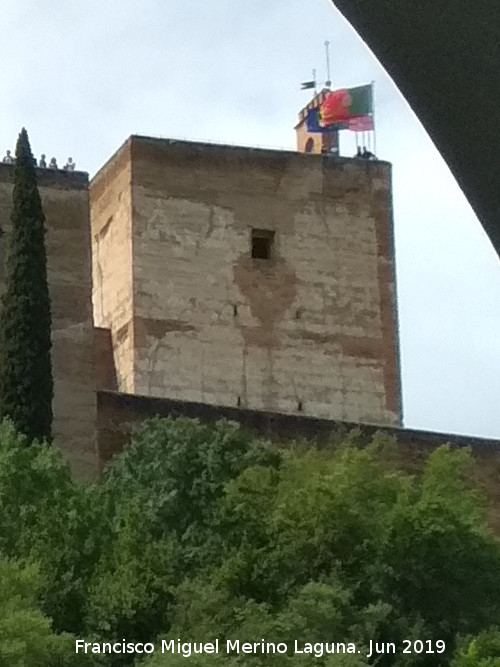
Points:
[[58, 179], [119, 413]]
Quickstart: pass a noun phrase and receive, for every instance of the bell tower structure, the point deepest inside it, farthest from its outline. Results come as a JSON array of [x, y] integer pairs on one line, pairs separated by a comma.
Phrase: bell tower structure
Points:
[[315, 142]]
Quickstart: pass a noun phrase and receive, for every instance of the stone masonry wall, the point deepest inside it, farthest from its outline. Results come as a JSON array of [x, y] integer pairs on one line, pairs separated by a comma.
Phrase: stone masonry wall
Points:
[[104, 363], [312, 330], [66, 206], [111, 223], [120, 414]]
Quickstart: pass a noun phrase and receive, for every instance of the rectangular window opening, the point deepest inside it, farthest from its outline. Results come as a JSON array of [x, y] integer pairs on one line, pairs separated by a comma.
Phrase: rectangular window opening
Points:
[[262, 243]]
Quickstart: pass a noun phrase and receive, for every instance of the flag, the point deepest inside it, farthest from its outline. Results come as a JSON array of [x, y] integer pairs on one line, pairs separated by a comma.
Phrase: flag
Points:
[[342, 106], [306, 85], [313, 124], [361, 124]]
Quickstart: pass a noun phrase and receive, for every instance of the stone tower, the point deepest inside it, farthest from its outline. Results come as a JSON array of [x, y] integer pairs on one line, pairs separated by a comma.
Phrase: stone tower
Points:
[[245, 277], [65, 200], [313, 142]]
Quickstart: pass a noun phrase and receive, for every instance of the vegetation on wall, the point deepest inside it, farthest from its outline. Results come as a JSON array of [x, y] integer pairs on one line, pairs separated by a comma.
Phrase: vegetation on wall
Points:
[[26, 385], [200, 532]]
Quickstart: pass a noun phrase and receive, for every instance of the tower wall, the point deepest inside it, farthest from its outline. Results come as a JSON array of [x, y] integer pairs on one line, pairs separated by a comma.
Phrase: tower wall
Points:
[[311, 330], [65, 203], [111, 225], [315, 142]]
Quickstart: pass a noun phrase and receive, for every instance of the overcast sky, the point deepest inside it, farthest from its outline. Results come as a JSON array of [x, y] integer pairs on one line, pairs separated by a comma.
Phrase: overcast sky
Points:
[[82, 75]]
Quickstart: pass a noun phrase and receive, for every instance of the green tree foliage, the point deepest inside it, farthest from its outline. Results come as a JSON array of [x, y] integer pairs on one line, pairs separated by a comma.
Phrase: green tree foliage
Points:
[[26, 385], [384, 554], [480, 651], [200, 532], [177, 468], [26, 636], [160, 497], [45, 516]]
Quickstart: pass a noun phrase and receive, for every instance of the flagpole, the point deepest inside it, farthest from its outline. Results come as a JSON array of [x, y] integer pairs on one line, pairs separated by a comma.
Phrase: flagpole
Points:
[[328, 85], [373, 116], [328, 81], [314, 79]]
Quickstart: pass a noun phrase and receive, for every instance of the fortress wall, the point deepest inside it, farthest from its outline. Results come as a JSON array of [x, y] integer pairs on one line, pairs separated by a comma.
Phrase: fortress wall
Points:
[[119, 414], [66, 205], [111, 228], [311, 330], [104, 365]]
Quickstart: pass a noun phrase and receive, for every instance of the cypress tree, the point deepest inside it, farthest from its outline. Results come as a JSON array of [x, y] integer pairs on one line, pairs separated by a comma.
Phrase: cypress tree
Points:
[[26, 384]]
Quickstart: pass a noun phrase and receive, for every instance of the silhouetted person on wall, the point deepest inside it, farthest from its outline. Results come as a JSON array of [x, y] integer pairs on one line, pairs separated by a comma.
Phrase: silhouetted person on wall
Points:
[[42, 163], [358, 153], [366, 154], [8, 159], [70, 165], [53, 163]]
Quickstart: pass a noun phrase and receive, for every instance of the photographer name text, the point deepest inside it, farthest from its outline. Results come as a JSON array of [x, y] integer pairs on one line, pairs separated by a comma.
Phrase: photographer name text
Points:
[[262, 647]]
